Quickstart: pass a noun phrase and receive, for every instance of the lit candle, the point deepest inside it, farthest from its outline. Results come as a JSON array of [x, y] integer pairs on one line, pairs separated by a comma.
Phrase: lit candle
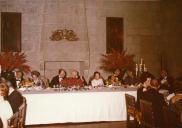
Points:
[[140, 68], [144, 68], [136, 67], [136, 70], [141, 60]]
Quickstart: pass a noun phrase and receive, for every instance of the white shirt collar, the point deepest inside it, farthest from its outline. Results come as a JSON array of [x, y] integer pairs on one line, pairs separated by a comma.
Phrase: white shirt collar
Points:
[[11, 90]]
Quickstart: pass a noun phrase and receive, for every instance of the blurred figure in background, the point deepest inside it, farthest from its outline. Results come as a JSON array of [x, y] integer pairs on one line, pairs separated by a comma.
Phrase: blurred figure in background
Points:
[[5, 108], [118, 74], [9, 76], [166, 81], [129, 78]]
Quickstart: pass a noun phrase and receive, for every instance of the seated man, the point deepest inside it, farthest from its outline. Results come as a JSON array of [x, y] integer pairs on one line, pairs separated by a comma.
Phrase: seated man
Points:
[[157, 99], [56, 80], [14, 98], [19, 78], [145, 81]]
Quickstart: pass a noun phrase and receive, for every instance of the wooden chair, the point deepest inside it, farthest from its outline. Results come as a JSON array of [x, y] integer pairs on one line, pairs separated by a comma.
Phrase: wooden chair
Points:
[[171, 118], [22, 114], [13, 121], [18, 118], [147, 115], [130, 106]]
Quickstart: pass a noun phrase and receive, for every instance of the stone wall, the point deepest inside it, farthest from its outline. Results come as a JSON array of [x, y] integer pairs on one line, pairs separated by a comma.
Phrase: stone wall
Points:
[[171, 36], [142, 32]]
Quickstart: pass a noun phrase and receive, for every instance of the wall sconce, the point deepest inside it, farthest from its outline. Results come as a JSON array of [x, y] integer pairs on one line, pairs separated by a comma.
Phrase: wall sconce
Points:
[[63, 34]]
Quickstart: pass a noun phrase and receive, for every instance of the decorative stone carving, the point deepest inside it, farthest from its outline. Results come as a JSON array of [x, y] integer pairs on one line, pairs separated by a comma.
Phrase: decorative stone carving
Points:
[[64, 34]]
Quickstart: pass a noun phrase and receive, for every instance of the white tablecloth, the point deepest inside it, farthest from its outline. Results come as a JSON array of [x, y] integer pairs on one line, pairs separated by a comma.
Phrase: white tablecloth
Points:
[[86, 106]]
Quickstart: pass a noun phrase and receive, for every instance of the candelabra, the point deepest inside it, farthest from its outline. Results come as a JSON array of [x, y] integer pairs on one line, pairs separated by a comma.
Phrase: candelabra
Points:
[[140, 68]]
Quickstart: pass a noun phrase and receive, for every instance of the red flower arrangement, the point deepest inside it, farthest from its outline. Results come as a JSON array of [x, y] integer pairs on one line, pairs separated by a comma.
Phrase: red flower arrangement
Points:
[[12, 60], [117, 60]]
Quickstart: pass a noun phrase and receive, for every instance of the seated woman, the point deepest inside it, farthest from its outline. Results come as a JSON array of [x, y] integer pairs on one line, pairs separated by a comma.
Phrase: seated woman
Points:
[[37, 81], [73, 80], [113, 80], [97, 80], [5, 108]]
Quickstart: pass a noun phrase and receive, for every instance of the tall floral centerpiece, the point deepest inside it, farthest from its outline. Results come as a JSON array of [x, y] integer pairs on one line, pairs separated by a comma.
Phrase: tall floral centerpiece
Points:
[[13, 60], [117, 60]]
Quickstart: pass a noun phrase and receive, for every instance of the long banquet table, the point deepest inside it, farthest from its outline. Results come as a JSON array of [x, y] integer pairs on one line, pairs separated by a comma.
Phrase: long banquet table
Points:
[[50, 106]]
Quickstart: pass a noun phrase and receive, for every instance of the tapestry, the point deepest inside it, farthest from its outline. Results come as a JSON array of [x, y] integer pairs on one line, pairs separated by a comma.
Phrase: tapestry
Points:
[[10, 32], [114, 34]]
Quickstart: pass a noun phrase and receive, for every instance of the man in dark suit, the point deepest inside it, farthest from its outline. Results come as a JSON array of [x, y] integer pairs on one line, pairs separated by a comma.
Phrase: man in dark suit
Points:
[[157, 99], [18, 78], [15, 98], [58, 78], [145, 81]]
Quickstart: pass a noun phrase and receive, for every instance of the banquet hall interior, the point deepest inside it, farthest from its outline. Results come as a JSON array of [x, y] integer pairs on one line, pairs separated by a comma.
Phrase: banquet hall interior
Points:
[[68, 53]]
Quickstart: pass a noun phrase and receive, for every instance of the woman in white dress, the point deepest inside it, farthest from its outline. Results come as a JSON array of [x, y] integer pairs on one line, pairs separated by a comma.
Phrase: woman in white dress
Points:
[[5, 108], [97, 80]]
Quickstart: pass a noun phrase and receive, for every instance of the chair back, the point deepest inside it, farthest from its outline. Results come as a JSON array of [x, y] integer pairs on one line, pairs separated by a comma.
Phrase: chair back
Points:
[[13, 121], [130, 105], [171, 118], [147, 114], [130, 102], [22, 114], [18, 118]]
